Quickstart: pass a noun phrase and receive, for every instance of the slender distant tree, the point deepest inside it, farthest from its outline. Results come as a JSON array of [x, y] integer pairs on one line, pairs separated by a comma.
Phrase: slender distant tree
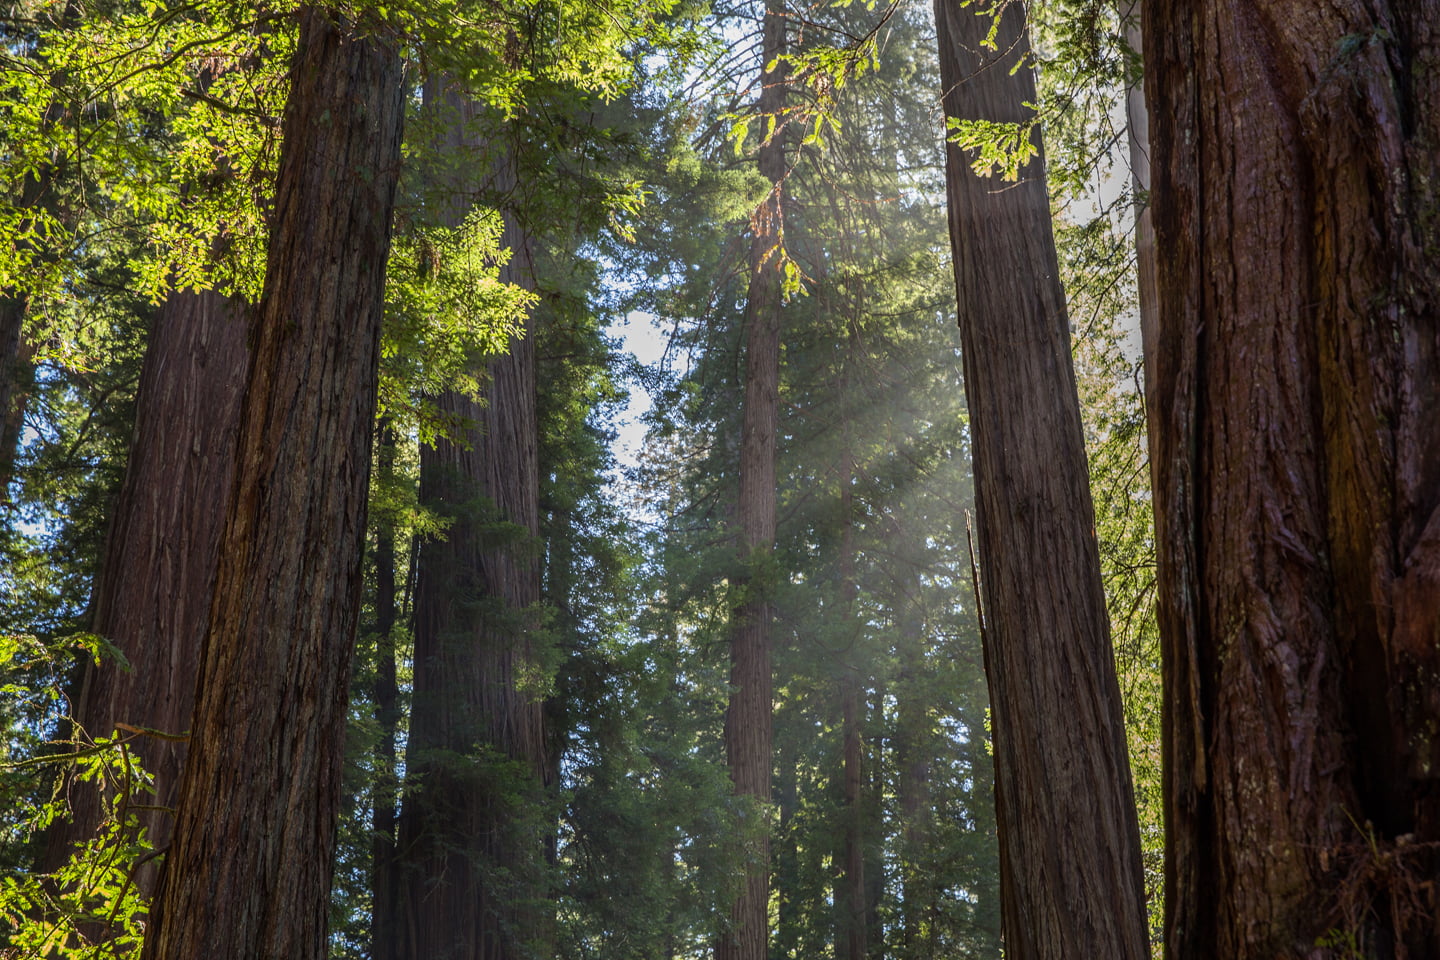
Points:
[[152, 596], [384, 875], [248, 870], [748, 720], [1293, 433], [1069, 845]]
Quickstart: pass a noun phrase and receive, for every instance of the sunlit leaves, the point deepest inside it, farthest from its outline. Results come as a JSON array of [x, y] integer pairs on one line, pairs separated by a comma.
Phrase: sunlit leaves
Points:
[[446, 312], [998, 147]]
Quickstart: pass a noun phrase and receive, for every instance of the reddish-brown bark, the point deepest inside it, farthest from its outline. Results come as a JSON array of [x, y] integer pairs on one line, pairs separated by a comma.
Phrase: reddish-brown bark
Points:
[[152, 596], [748, 717], [1069, 845], [249, 866], [1296, 468], [473, 856]]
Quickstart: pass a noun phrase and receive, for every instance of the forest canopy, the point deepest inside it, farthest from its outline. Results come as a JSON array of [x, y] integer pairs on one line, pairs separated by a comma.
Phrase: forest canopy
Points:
[[653, 479]]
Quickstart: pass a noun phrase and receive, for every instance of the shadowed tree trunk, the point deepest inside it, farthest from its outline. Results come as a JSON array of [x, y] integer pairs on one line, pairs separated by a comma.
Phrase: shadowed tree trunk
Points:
[[472, 830], [152, 596], [17, 374], [748, 718], [1296, 467], [1071, 882], [249, 867]]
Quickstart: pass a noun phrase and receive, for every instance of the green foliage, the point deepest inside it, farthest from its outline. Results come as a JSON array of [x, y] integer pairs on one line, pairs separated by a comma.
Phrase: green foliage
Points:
[[446, 311], [1003, 148], [91, 905]]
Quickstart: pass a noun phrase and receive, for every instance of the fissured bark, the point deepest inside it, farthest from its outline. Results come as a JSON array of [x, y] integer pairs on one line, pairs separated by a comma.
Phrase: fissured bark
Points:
[[1071, 882], [1295, 443], [248, 872], [152, 596]]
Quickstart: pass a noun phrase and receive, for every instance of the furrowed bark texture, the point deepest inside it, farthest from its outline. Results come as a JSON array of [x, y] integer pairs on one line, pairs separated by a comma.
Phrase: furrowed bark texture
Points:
[[1069, 842], [249, 868], [471, 833], [748, 717], [152, 596], [1295, 438]]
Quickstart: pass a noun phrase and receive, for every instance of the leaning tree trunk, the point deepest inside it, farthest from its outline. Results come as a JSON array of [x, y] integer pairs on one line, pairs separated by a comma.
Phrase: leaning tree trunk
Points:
[[1069, 843], [152, 597], [249, 867], [472, 846], [748, 718], [1295, 440]]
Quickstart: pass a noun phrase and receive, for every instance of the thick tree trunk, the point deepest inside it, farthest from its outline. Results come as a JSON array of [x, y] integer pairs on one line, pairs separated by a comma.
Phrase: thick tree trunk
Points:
[[1069, 843], [748, 718], [470, 830], [249, 867], [1296, 465], [152, 597]]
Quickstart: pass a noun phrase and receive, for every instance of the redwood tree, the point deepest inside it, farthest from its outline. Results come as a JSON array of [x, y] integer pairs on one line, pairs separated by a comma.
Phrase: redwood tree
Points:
[[248, 870], [472, 853], [748, 717], [152, 596], [1296, 468], [1071, 881]]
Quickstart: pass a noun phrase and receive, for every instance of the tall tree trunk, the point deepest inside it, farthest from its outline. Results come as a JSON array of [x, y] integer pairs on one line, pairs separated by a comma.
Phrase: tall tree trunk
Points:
[[1296, 467], [249, 867], [470, 830], [1069, 843], [748, 718], [152, 596], [384, 913], [748, 724]]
